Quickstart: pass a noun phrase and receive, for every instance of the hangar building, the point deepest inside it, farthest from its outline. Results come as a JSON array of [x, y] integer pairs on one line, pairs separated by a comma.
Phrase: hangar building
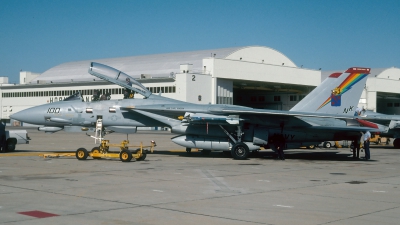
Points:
[[254, 76]]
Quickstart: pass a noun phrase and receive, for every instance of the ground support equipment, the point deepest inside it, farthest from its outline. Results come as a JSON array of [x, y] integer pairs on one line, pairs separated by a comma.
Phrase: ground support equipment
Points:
[[124, 154]]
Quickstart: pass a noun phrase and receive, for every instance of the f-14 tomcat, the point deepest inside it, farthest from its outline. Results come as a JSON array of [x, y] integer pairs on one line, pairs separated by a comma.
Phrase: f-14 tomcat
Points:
[[325, 114]]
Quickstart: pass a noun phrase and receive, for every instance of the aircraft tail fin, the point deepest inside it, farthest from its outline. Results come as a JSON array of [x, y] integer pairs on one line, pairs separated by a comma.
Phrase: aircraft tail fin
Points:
[[338, 94]]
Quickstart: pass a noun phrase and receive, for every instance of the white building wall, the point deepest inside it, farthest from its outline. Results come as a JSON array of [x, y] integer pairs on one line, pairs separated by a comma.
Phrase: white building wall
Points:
[[190, 86], [232, 69], [371, 101], [3, 80], [26, 76], [181, 88]]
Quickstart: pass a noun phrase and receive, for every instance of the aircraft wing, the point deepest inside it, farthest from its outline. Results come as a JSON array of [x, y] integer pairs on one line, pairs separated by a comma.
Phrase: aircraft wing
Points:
[[230, 110], [189, 115]]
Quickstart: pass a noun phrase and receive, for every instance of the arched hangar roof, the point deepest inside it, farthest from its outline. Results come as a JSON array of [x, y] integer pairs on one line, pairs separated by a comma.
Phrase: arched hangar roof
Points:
[[391, 73], [161, 65]]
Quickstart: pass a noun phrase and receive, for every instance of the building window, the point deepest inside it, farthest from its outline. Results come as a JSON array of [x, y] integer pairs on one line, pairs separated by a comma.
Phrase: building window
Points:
[[389, 104], [261, 98], [396, 104], [277, 98], [293, 98], [253, 98]]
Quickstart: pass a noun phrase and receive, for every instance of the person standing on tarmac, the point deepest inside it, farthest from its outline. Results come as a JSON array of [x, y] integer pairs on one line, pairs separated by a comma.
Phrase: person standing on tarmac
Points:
[[280, 146], [356, 148], [367, 137]]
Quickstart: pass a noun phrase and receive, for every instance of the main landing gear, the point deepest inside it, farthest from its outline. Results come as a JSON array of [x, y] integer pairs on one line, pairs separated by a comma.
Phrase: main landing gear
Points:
[[239, 150]]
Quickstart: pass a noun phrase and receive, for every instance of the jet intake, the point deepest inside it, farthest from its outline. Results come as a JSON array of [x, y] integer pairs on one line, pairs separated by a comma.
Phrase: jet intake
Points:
[[50, 129]]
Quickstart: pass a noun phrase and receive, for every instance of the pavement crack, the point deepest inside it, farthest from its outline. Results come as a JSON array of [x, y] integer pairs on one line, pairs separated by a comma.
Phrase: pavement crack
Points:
[[352, 217]]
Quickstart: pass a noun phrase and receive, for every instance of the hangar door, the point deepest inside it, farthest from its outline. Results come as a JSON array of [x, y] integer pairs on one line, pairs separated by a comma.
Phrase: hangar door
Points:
[[224, 91], [388, 103], [264, 95]]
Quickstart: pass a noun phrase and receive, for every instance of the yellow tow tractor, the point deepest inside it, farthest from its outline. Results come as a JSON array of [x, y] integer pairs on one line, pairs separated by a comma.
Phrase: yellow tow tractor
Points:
[[375, 138], [124, 154]]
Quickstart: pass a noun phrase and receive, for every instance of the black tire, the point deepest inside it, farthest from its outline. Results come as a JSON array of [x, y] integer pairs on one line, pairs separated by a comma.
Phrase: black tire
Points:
[[396, 143], [81, 154], [327, 144], [10, 145], [125, 156], [240, 151], [96, 150], [143, 157], [205, 152], [188, 150]]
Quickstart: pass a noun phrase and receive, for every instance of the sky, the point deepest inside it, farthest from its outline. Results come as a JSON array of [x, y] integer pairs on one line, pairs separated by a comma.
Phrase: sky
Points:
[[37, 35]]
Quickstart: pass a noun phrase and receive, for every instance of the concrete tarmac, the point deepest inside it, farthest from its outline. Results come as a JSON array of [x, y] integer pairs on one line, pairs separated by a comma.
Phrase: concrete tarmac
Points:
[[321, 186]]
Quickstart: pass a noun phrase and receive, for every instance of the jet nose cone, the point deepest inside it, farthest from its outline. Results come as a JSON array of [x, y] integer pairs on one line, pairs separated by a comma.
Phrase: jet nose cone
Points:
[[23, 116]]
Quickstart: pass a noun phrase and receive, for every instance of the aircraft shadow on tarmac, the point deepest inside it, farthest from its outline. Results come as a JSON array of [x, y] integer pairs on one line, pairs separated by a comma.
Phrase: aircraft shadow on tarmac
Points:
[[261, 155], [267, 155]]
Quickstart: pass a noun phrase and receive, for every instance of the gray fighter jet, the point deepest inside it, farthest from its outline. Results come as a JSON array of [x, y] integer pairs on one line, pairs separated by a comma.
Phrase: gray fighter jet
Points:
[[325, 114]]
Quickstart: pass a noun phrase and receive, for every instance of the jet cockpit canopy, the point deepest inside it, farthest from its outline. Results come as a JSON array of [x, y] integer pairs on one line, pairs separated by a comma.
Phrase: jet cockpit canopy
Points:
[[117, 77], [75, 97]]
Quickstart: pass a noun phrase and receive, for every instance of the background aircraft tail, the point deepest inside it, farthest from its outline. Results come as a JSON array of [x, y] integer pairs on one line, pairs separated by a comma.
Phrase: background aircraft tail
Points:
[[338, 94]]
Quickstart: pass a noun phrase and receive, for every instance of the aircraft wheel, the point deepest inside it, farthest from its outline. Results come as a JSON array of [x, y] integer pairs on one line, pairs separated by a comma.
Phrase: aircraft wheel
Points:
[[125, 156], [240, 151], [396, 143], [205, 152], [141, 158], [81, 153], [188, 150], [327, 144], [96, 150]]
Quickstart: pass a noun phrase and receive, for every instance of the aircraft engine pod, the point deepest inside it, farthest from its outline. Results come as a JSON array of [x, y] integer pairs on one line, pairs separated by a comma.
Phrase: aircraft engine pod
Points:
[[203, 142], [50, 129]]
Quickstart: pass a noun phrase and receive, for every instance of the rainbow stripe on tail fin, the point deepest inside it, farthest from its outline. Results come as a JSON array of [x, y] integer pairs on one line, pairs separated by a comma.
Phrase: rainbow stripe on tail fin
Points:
[[338, 94]]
